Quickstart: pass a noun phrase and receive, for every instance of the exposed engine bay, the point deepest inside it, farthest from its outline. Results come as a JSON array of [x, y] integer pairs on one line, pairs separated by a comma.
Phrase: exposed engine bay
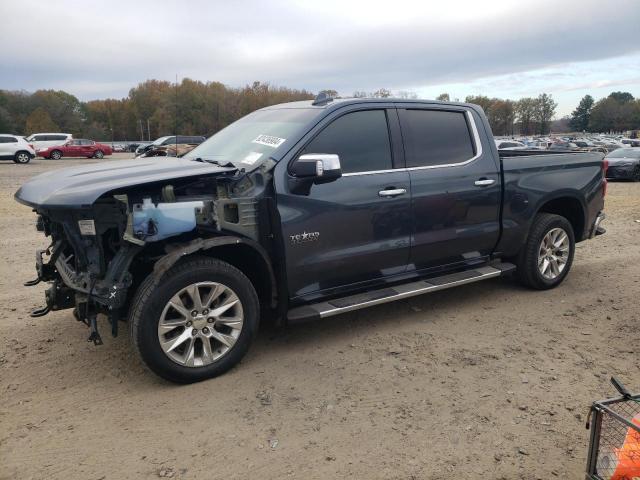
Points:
[[100, 252]]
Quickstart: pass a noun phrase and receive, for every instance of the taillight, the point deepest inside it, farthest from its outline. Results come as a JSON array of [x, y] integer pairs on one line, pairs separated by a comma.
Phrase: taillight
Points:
[[31, 145], [605, 167]]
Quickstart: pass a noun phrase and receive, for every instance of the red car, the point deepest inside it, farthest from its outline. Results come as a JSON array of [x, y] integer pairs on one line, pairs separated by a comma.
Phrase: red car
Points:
[[76, 148]]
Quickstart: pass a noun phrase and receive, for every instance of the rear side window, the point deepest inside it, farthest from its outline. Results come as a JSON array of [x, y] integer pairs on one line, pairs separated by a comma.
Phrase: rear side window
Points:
[[435, 137], [8, 140], [360, 139]]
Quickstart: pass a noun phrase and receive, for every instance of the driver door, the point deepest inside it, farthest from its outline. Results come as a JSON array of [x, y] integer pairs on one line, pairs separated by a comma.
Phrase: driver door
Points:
[[353, 231]]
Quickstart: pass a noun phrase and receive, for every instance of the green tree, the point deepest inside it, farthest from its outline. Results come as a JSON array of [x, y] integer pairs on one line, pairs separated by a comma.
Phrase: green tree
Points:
[[545, 109], [40, 121], [482, 100], [580, 116], [525, 111], [622, 97]]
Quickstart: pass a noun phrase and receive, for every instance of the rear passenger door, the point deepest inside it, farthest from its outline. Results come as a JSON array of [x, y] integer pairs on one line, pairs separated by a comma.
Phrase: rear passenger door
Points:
[[355, 230], [455, 186]]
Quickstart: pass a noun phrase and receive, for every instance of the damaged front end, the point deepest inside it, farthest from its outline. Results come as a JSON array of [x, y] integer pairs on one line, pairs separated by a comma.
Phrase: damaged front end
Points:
[[100, 252]]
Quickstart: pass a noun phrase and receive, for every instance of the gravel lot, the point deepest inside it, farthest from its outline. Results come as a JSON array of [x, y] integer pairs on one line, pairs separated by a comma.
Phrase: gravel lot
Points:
[[487, 380]]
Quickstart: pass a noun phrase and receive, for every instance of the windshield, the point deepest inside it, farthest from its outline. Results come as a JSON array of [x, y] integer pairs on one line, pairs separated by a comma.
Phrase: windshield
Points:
[[252, 139], [624, 153]]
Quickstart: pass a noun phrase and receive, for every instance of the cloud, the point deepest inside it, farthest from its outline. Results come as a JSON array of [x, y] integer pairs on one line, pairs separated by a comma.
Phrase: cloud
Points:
[[102, 48]]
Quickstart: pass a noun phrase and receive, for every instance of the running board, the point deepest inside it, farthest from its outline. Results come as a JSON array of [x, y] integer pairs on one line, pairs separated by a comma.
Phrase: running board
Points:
[[376, 297]]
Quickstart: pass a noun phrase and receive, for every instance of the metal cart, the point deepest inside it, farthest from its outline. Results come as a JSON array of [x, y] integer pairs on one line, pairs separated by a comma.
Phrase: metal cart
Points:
[[614, 448]]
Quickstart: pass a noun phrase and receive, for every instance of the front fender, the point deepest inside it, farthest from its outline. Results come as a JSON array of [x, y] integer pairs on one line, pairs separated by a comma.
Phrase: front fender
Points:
[[176, 251]]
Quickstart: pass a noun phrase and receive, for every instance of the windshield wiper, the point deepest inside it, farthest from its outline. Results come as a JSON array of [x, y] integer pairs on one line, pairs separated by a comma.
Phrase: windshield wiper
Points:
[[215, 162]]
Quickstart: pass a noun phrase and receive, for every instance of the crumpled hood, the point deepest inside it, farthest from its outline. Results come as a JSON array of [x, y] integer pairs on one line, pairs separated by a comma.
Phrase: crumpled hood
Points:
[[81, 186]]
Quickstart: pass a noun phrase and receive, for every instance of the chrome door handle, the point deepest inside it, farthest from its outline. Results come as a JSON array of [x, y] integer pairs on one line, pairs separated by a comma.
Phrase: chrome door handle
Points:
[[393, 192], [484, 182]]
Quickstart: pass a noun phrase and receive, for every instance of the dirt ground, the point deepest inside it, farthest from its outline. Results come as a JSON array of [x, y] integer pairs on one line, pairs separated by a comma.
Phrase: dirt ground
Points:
[[487, 380]]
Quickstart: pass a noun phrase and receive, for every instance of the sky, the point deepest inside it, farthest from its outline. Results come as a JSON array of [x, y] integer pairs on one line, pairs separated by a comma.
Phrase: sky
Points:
[[507, 49]]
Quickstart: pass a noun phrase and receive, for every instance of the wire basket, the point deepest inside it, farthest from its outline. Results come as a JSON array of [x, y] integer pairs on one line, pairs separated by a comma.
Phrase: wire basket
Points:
[[614, 448]]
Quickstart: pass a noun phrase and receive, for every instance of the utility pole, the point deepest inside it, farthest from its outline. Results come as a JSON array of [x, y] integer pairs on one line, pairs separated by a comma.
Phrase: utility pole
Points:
[[148, 131]]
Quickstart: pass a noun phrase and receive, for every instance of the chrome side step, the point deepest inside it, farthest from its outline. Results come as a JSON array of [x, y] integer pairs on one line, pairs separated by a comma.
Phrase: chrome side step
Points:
[[398, 292]]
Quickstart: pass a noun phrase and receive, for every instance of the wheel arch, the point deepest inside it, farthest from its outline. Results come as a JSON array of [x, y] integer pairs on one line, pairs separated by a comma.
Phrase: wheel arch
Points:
[[246, 255], [569, 207]]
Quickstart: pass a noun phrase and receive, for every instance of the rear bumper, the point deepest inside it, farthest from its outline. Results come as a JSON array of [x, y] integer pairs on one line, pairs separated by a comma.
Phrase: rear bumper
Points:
[[596, 228]]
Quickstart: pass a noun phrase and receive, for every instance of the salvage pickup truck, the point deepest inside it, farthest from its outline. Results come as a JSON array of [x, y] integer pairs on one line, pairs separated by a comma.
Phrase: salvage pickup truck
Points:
[[302, 211]]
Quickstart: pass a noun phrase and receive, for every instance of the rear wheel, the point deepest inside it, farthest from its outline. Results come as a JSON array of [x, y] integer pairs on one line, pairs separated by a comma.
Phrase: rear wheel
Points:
[[197, 322], [56, 155], [98, 154], [546, 258], [22, 157]]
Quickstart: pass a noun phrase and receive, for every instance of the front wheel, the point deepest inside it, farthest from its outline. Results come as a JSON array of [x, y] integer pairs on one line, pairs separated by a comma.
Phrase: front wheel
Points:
[[56, 155], [22, 157], [546, 257], [196, 322], [98, 154]]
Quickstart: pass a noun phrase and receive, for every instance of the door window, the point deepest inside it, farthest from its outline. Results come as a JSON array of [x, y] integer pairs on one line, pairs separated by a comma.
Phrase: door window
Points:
[[360, 139], [435, 137]]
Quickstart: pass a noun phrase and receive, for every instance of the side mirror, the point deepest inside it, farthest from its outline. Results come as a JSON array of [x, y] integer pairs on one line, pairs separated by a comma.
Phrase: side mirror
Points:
[[313, 168], [319, 167]]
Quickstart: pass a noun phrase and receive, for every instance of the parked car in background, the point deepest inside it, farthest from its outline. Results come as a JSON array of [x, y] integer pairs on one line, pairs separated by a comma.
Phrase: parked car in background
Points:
[[510, 145], [168, 150], [16, 148], [119, 147], [624, 163], [76, 148], [564, 146], [630, 142], [171, 140], [132, 147], [44, 140]]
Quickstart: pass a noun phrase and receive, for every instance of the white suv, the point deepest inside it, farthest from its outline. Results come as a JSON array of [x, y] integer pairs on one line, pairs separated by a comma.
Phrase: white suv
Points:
[[14, 147], [45, 140]]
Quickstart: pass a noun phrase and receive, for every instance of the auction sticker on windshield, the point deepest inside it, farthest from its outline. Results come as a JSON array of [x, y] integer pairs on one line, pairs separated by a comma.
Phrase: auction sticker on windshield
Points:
[[269, 141]]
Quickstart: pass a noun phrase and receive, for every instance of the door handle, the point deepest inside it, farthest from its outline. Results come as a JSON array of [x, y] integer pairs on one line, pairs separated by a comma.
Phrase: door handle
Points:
[[484, 182], [393, 192]]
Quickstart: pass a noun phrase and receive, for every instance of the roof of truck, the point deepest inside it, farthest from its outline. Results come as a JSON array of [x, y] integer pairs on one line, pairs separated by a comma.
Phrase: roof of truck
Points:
[[338, 102]]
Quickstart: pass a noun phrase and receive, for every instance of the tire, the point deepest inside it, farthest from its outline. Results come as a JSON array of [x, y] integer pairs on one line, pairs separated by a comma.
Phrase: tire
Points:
[[636, 174], [22, 157], [98, 154], [150, 313], [56, 155], [531, 259]]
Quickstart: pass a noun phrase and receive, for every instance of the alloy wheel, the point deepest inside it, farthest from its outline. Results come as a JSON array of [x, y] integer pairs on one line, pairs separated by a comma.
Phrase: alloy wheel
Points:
[[200, 324], [553, 253]]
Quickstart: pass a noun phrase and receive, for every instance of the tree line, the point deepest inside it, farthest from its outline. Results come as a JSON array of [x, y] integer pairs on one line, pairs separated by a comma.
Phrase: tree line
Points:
[[527, 116], [155, 108], [152, 109], [618, 112]]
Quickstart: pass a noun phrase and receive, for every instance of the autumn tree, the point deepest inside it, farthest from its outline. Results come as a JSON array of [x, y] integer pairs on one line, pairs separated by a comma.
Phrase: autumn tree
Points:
[[443, 97], [40, 121]]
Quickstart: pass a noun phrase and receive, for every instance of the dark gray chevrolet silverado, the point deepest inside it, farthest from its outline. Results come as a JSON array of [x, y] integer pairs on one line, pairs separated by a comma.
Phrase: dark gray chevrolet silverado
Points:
[[302, 211]]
